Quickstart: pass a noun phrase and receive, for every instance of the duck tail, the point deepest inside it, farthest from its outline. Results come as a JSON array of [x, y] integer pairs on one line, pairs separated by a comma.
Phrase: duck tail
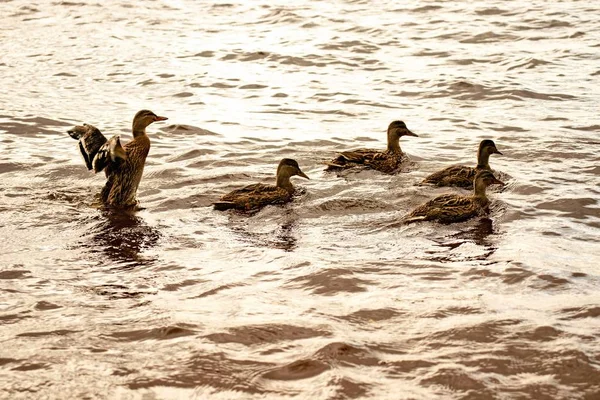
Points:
[[332, 166], [411, 220], [223, 205]]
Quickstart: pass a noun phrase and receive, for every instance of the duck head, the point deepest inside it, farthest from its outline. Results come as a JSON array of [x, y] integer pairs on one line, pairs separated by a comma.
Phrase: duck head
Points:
[[142, 119], [487, 147], [286, 169], [395, 131], [483, 179], [290, 167]]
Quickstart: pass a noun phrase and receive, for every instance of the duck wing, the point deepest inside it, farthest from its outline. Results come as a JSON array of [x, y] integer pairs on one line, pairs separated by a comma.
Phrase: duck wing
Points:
[[252, 197], [111, 153], [97, 151], [366, 157], [90, 141], [456, 175], [354, 156], [446, 209]]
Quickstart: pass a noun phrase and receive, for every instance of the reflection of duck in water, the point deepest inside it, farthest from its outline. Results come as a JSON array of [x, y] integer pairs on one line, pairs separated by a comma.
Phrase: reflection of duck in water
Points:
[[461, 175], [121, 236], [253, 197], [454, 208], [123, 165], [388, 161], [283, 237]]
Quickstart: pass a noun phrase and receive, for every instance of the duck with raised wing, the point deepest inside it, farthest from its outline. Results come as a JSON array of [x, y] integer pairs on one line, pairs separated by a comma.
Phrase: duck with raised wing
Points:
[[462, 175], [455, 208], [122, 164], [388, 161], [254, 197]]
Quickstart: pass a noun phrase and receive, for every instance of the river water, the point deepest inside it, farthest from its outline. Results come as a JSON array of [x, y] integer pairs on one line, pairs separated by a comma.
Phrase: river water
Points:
[[328, 297]]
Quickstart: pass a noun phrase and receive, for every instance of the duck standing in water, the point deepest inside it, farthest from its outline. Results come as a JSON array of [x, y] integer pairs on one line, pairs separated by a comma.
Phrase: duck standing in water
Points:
[[454, 208], [123, 165], [388, 161], [461, 175], [254, 197]]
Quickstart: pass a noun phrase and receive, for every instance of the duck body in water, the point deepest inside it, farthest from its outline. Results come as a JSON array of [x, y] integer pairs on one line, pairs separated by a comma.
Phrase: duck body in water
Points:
[[462, 175], [254, 197], [122, 164], [388, 161], [451, 208]]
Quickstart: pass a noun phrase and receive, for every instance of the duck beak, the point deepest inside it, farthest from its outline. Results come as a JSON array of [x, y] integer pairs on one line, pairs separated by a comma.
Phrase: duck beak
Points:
[[157, 118], [498, 182], [497, 151], [302, 174], [407, 132]]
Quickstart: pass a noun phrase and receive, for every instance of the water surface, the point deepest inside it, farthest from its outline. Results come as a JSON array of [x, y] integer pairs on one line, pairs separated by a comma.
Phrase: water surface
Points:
[[328, 297]]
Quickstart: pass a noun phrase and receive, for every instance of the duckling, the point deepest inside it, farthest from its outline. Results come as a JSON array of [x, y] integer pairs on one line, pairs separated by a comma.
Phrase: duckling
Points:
[[454, 208], [388, 161], [123, 165], [254, 197], [461, 175]]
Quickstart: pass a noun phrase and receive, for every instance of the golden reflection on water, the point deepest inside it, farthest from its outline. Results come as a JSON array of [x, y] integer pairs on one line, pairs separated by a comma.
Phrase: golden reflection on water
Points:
[[330, 296]]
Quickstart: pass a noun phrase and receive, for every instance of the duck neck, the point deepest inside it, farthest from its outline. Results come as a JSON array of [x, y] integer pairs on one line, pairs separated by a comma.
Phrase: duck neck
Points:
[[393, 142], [138, 129], [480, 191], [483, 159], [283, 181], [138, 132]]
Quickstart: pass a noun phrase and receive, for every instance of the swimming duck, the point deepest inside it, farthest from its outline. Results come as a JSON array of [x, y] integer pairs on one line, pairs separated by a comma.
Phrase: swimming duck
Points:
[[387, 161], [454, 208], [254, 197], [461, 175], [122, 164]]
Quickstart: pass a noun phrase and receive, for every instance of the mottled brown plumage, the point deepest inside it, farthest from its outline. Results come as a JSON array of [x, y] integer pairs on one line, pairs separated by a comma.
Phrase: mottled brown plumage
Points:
[[388, 161], [254, 197], [454, 208], [123, 165], [461, 175]]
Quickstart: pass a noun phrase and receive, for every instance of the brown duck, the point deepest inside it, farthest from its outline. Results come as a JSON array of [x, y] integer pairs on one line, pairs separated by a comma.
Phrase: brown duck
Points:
[[454, 208], [123, 165], [461, 175], [388, 161], [254, 197]]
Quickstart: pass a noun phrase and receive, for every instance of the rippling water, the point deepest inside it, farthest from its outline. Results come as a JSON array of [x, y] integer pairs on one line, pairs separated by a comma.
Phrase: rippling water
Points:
[[328, 297]]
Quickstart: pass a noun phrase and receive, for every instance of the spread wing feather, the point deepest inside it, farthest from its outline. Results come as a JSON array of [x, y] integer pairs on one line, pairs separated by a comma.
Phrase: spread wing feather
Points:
[[97, 151], [90, 141], [111, 153]]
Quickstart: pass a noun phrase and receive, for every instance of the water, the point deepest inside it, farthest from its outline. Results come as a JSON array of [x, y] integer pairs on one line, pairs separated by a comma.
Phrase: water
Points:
[[328, 297]]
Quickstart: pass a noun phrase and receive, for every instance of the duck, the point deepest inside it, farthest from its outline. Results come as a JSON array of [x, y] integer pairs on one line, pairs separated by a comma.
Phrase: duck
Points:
[[462, 175], [254, 197], [123, 165], [388, 161], [451, 208]]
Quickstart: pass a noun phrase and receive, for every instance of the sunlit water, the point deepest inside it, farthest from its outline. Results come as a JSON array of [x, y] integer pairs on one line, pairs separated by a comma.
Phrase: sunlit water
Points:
[[328, 297]]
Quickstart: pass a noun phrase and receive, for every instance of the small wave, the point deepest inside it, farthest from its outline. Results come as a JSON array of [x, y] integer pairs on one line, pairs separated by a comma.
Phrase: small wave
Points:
[[464, 90], [265, 334]]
